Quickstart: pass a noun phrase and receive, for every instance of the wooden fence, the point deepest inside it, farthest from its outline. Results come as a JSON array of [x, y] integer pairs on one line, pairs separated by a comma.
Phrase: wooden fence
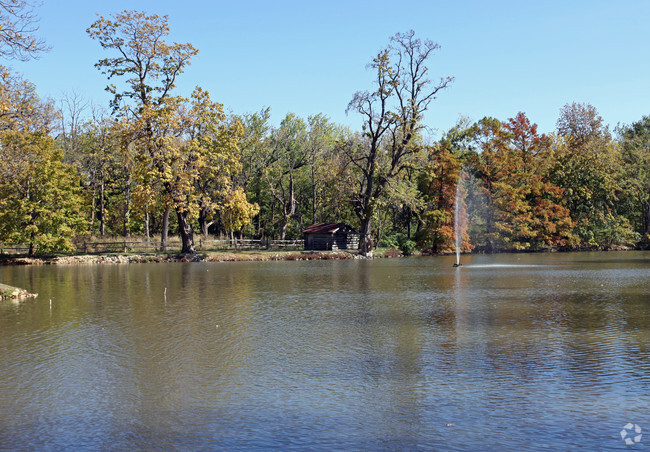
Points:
[[139, 246]]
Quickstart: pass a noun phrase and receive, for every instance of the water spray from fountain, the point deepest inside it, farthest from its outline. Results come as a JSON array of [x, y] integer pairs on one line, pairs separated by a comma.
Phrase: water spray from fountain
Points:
[[458, 226]]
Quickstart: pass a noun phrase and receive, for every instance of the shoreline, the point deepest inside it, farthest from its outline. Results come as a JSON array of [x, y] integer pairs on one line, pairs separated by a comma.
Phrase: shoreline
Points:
[[180, 258], [241, 256]]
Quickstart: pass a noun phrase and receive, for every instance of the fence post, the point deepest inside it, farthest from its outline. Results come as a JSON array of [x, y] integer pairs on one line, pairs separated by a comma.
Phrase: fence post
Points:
[[125, 246]]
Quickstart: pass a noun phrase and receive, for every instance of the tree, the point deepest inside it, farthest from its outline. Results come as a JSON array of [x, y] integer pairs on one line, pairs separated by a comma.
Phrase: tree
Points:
[[289, 143], [20, 106], [588, 166], [438, 184], [256, 154], [392, 121], [193, 156], [550, 222], [143, 56], [236, 211], [18, 25], [217, 140], [635, 143], [326, 183], [40, 196], [516, 207], [322, 136], [151, 67], [580, 123], [505, 213]]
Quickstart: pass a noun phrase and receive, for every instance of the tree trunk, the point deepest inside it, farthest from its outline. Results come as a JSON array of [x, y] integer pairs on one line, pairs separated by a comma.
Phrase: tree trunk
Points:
[[187, 234], [283, 229], [313, 195], [93, 203], [102, 210], [165, 230], [409, 216], [146, 222], [204, 224], [646, 222], [289, 208], [127, 209], [365, 240], [273, 216]]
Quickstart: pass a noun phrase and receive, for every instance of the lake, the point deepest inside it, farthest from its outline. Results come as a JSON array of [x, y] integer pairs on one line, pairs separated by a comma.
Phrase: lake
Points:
[[508, 352]]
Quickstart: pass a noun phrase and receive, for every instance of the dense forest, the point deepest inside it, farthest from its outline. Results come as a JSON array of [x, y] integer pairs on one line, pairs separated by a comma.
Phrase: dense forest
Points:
[[156, 163]]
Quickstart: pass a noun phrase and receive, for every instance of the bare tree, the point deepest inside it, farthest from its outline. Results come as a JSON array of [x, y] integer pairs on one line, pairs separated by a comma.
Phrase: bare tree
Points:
[[18, 25], [392, 116]]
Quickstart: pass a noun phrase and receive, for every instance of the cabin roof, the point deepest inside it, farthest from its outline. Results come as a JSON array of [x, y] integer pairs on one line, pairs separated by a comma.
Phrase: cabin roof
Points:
[[328, 228]]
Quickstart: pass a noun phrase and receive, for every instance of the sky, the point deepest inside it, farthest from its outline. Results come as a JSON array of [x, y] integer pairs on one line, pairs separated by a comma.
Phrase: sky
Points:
[[309, 57]]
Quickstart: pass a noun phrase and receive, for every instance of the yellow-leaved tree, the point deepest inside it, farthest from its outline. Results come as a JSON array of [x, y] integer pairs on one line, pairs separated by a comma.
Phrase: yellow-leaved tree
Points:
[[186, 146], [236, 211]]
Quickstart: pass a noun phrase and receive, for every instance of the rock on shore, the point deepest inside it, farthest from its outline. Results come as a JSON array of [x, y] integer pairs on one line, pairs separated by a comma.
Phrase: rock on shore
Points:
[[14, 292]]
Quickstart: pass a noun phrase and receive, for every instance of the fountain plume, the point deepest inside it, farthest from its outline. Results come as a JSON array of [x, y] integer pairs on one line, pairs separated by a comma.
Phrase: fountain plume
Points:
[[460, 217]]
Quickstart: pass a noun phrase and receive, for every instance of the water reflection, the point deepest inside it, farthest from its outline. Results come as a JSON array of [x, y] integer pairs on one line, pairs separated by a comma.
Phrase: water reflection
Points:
[[505, 352]]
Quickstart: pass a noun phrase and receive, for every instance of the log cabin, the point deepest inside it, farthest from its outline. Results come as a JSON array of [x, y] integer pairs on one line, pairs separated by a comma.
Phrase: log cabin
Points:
[[331, 236]]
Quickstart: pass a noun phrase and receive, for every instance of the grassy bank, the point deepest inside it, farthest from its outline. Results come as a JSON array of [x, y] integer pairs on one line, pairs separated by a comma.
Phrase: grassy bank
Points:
[[209, 256]]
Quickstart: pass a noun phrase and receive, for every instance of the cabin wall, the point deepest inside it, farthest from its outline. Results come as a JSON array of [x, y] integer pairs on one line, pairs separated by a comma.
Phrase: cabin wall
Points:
[[318, 241], [346, 242], [331, 241]]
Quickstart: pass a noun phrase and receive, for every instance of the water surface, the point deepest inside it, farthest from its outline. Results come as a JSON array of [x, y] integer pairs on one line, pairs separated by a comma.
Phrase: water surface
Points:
[[508, 352]]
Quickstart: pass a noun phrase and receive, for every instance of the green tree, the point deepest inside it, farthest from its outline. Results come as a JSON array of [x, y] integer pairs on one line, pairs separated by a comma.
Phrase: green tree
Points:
[[321, 140], [21, 108], [40, 200], [290, 155], [588, 166], [40, 196], [635, 143], [333, 177], [256, 154]]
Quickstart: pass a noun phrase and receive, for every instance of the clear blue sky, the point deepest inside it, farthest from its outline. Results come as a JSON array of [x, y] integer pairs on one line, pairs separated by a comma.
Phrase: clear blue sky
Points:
[[309, 57]]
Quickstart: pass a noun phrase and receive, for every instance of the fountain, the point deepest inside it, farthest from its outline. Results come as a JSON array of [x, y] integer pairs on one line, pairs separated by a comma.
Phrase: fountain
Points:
[[458, 221]]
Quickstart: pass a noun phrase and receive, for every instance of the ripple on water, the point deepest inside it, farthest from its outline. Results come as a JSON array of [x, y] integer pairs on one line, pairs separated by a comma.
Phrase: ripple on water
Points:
[[374, 355]]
